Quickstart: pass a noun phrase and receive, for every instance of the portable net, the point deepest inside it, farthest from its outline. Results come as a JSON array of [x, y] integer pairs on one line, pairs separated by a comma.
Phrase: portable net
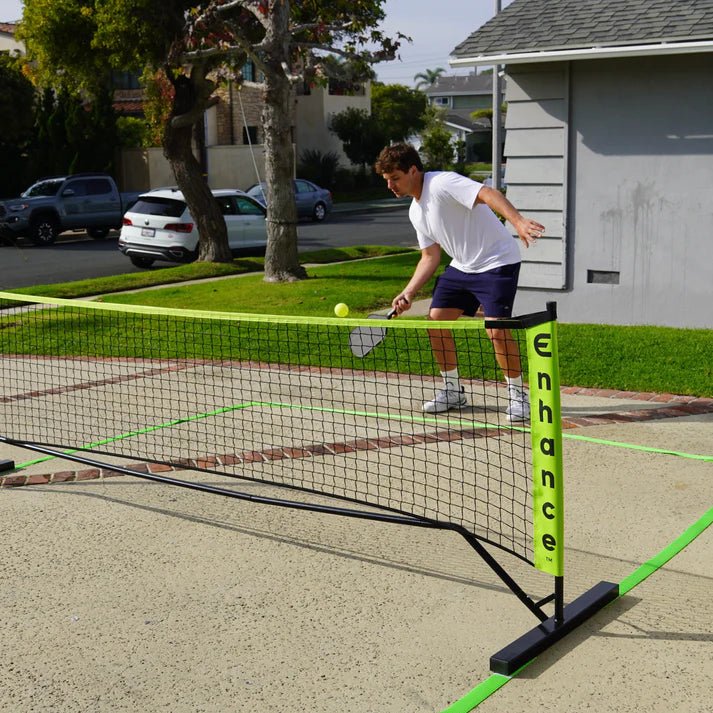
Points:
[[277, 400]]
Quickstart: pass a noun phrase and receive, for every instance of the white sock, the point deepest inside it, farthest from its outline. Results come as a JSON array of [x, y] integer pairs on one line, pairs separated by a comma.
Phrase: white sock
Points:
[[514, 381], [450, 379]]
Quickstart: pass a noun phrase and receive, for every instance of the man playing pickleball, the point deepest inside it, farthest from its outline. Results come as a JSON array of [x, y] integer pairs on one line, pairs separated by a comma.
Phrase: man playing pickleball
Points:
[[456, 214]]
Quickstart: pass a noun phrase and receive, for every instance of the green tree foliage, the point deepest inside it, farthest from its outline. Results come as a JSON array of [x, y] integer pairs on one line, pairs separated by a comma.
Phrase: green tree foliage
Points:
[[362, 136], [398, 110], [72, 135], [428, 77], [319, 167], [132, 132], [195, 45], [54, 153], [487, 113], [437, 149], [16, 119]]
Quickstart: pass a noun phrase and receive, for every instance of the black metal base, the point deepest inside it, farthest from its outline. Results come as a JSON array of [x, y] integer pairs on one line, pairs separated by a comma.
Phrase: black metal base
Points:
[[7, 465], [537, 640]]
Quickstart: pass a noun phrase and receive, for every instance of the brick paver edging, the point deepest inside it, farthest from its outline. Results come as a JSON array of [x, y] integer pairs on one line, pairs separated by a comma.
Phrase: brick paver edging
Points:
[[678, 406]]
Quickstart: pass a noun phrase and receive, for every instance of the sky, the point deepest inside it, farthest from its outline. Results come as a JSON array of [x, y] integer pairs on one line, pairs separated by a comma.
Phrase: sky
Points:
[[10, 10], [435, 27]]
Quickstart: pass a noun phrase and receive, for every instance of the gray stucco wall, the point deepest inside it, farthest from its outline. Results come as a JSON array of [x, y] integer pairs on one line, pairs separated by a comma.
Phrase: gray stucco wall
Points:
[[637, 204]]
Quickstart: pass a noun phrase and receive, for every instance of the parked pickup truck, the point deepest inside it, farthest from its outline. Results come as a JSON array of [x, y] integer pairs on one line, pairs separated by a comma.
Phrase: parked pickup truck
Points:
[[84, 201]]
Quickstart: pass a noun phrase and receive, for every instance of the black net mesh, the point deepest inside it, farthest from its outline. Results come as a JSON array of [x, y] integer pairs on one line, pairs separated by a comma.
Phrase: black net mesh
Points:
[[277, 401]]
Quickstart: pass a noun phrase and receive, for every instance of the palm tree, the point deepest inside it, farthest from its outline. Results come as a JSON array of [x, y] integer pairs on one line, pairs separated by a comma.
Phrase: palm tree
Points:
[[428, 77]]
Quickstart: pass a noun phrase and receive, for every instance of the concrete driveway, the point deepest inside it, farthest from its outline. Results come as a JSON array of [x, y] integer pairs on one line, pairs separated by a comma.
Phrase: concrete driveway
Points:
[[125, 595]]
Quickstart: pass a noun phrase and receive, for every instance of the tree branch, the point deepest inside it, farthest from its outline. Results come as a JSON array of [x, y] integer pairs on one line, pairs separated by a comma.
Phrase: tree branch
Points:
[[199, 101], [253, 6], [366, 56], [338, 27]]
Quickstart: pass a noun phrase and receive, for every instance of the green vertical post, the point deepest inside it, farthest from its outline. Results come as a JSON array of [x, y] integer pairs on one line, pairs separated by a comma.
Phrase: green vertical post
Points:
[[546, 435]]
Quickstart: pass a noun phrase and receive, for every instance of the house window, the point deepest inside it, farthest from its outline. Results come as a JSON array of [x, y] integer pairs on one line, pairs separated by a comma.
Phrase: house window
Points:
[[124, 80], [440, 101], [343, 87], [249, 134], [248, 71]]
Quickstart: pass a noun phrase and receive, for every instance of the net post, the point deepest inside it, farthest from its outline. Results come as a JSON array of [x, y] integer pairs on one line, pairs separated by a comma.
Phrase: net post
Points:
[[521, 651], [559, 600], [548, 503]]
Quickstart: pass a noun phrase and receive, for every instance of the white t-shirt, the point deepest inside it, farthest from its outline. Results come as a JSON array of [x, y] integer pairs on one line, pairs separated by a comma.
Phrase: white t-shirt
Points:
[[471, 234]]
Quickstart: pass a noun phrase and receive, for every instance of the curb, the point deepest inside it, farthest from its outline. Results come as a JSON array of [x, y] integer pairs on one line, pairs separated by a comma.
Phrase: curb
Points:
[[386, 204]]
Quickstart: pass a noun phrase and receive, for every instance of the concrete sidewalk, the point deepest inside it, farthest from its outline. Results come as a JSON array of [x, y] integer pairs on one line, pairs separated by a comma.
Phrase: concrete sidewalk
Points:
[[368, 206]]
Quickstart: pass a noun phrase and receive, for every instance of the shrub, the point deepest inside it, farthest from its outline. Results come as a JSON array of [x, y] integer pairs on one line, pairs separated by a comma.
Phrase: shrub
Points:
[[321, 168]]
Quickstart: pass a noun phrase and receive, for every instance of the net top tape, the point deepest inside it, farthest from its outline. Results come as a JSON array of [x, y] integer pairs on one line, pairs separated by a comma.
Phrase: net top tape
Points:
[[463, 324]]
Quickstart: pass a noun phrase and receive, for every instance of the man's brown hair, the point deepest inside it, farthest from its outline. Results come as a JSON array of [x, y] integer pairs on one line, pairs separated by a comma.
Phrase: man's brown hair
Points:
[[398, 157]]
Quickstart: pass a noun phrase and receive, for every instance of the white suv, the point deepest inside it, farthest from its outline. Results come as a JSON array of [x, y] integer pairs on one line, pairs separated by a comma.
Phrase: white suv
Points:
[[159, 226]]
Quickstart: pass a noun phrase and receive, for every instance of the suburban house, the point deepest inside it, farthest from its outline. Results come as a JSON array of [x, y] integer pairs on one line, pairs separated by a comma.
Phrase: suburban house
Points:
[[233, 150], [315, 105], [232, 145], [609, 145], [459, 96], [8, 43], [462, 94]]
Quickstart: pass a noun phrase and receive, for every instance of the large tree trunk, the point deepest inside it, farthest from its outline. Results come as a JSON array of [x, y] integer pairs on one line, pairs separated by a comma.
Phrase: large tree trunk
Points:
[[281, 258], [190, 101]]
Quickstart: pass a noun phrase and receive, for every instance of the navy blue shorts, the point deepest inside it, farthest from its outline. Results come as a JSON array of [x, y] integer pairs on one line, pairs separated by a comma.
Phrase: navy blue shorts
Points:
[[494, 289]]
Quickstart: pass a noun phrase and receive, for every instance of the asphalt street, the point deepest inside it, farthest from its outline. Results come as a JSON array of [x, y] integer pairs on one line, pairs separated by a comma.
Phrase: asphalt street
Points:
[[77, 257]]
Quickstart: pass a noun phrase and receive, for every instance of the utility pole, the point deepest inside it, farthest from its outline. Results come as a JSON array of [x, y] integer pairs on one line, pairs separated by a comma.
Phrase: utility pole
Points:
[[497, 102]]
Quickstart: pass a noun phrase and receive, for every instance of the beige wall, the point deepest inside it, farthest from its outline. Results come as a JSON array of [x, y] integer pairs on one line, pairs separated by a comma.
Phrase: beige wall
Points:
[[143, 169], [9, 44], [236, 166], [228, 167], [314, 114]]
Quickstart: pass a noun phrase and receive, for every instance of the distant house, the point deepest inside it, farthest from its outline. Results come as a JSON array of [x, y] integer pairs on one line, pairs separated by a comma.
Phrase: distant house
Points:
[[8, 43], [610, 145], [462, 94], [236, 120], [316, 105], [459, 96]]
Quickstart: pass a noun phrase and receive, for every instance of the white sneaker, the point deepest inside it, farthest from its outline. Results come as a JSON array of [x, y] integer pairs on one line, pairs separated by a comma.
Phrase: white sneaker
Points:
[[445, 400], [519, 407]]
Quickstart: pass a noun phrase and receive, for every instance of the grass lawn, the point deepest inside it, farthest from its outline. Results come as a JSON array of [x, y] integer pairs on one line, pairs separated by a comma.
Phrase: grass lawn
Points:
[[658, 359], [365, 286]]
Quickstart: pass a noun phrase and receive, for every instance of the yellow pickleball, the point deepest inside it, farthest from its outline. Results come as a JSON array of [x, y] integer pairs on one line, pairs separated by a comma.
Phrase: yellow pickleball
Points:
[[341, 310]]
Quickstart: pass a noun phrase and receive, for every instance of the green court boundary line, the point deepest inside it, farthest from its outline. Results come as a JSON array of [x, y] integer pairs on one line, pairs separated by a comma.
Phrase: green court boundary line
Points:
[[242, 316], [277, 404], [483, 690], [471, 700], [636, 447], [142, 431], [460, 423], [665, 555]]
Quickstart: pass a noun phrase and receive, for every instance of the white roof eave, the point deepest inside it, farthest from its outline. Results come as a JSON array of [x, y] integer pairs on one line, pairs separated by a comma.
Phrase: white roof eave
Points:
[[563, 55]]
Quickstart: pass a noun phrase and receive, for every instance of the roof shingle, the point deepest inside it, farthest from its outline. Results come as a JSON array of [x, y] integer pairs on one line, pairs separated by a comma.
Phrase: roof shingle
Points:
[[534, 25]]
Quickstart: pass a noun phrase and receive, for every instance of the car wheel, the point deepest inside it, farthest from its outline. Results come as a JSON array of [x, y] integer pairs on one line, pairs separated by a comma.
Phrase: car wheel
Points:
[[44, 231], [320, 212], [141, 261], [98, 233]]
